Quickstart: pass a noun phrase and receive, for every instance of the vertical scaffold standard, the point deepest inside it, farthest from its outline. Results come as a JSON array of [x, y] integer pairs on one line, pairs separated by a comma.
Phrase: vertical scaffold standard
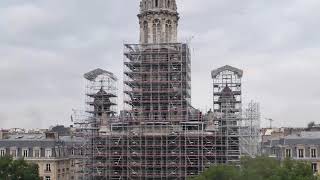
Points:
[[227, 104]]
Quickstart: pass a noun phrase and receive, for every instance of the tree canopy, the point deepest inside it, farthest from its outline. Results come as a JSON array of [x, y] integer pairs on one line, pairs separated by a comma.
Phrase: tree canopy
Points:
[[17, 169], [260, 168]]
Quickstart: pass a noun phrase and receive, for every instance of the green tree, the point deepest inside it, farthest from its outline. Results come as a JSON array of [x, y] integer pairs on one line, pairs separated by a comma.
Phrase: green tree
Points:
[[297, 170], [260, 168], [17, 169], [222, 172]]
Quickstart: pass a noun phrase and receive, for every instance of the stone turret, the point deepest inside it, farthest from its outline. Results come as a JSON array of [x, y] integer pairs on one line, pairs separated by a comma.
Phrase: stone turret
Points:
[[158, 21], [147, 5]]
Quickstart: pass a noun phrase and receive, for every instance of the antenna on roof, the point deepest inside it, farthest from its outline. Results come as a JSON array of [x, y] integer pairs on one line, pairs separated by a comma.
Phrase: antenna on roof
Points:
[[270, 121]]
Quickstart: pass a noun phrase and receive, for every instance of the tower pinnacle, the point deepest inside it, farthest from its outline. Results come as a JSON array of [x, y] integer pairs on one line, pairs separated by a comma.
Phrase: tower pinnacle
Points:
[[158, 21]]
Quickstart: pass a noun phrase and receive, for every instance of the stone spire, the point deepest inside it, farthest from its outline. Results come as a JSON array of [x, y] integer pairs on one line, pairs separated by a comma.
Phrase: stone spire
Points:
[[158, 21]]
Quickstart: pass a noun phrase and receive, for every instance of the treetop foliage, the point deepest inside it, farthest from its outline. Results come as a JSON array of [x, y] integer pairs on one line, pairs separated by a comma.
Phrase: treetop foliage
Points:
[[17, 169], [260, 168]]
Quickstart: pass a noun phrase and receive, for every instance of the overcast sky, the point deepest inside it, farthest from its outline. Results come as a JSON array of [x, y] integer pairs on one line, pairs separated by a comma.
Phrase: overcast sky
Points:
[[47, 45]]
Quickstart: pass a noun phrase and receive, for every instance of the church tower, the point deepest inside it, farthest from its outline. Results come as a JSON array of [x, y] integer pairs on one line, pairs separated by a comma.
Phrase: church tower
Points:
[[158, 21], [157, 73]]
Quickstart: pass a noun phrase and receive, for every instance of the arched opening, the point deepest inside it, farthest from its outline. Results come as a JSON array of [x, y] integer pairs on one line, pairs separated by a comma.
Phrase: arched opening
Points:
[[168, 3], [156, 3], [156, 31], [168, 31], [146, 32]]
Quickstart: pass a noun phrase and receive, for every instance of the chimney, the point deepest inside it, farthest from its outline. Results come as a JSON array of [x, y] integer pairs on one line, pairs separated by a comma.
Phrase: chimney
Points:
[[4, 134], [51, 135]]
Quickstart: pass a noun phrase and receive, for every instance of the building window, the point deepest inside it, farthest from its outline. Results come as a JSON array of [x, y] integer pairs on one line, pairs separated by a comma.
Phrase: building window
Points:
[[36, 153], [168, 31], [48, 178], [2, 152], [274, 151], [48, 153], [313, 153], [288, 153], [25, 153], [300, 153], [13, 152], [157, 3], [48, 167], [156, 31], [72, 151], [145, 31], [314, 167], [168, 3], [60, 152]]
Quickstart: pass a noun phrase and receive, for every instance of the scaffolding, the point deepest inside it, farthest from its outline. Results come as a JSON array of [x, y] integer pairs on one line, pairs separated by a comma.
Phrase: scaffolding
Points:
[[94, 123], [158, 135], [157, 85], [250, 130], [155, 151], [227, 108], [176, 144], [101, 94], [82, 123]]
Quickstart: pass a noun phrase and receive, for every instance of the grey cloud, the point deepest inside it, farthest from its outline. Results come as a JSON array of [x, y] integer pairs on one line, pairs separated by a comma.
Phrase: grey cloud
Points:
[[46, 46]]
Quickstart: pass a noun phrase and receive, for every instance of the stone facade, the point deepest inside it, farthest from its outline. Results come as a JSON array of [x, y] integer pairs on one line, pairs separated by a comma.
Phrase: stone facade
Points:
[[158, 21], [304, 146], [56, 157]]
